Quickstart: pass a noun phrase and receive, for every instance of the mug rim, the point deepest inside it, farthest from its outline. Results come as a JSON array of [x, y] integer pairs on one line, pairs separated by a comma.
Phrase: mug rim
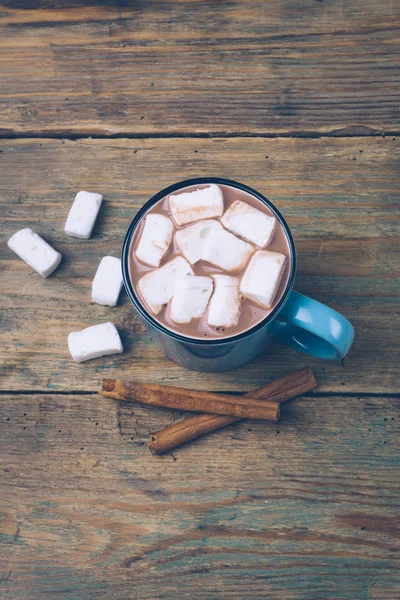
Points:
[[148, 318]]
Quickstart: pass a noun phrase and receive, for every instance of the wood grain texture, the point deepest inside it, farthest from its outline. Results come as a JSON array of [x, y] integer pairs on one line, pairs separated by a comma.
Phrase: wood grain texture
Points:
[[180, 66], [338, 195], [307, 509]]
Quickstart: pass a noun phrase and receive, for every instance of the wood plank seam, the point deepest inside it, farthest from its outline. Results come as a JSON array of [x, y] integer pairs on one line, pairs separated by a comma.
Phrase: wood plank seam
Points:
[[230, 392], [349, 132]]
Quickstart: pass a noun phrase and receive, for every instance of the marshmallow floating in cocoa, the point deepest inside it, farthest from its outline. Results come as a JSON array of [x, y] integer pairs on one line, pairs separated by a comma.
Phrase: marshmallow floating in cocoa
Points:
[[155, 239], [249, 223], [261, 279], [191, 239], [204, 203], [226, 251], [224, 307], [190, 299], [157, 287]]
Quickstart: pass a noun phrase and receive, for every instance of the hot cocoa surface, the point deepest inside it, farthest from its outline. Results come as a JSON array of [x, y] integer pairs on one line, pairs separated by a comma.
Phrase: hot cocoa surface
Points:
[[250, 313]]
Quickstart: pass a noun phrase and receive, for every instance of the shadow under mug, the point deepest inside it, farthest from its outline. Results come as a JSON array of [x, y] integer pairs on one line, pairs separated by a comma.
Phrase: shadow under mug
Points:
[[297, 321]]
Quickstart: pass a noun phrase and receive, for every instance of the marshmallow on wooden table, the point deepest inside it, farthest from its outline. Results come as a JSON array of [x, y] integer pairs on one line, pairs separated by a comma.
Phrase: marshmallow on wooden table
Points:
[[82, 215], [107, 282], [37, 253], [225, 250], [224, 307], [204, 203], [249, 223], [94, 341], [191, 296], [262, 276], [155, 239], [157, 287], [191, 240]]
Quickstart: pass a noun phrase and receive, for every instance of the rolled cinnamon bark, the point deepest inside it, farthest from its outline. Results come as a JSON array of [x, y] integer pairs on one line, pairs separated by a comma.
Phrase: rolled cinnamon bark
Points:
[[172, 397], [281, 390]]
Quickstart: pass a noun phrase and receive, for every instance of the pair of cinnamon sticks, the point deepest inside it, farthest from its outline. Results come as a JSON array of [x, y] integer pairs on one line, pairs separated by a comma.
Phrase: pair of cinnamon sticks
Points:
[[218, 410]]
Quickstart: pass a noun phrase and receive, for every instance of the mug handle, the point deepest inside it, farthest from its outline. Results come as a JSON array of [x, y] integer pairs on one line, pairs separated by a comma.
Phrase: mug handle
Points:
[[314, 328]]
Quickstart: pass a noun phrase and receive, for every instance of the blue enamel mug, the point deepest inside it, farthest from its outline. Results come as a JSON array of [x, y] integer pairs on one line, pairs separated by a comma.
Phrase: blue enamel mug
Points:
[[297, 320]]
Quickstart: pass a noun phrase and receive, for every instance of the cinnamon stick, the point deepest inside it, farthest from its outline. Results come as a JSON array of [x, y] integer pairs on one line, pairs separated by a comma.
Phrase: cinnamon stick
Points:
[[172, 397], [280, 390]]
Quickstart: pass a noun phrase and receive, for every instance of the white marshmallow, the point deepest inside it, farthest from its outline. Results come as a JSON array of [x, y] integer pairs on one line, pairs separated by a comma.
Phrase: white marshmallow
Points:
[[37, 253], [226, 251], [157, 287], [82, 215], [224, 307], [95, 341], [204, 203], [155, 239], [191, 240], [249, 223], [191, 296], [107, 282], [262, 276]]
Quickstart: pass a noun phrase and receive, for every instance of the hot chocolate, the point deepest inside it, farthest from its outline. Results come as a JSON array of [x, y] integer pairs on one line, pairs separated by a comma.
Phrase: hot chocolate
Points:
[[209, 261]]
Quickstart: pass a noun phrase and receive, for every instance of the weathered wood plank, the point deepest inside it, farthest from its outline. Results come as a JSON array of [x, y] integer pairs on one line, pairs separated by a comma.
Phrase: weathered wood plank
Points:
[[306, 509], [342, 213], [194, 66]]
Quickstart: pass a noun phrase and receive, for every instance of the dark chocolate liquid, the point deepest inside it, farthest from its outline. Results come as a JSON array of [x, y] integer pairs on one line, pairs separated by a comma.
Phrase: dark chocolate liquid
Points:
[[250, 313]]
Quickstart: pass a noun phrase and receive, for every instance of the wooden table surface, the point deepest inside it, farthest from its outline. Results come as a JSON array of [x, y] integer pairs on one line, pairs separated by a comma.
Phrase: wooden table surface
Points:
[[298, 99]]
